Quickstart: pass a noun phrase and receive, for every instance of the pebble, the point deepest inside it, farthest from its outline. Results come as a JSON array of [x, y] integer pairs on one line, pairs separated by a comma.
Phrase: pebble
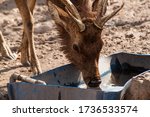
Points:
[[5, 23], [43, 52], [129, 35], [40, 56]]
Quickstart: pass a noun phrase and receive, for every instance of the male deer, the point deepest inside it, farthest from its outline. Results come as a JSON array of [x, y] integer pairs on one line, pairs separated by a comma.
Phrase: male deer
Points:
[[80, 24], [28, 55]]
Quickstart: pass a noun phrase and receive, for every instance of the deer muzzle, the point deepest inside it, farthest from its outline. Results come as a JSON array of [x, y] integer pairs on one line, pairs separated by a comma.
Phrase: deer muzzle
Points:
[[95, 82]]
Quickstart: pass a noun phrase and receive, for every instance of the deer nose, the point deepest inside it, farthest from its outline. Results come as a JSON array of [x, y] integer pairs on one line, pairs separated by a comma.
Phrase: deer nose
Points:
[[95, 82]]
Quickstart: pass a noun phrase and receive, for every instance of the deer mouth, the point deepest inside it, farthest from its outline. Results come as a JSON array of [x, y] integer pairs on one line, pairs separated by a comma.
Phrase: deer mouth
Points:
[[94, 83]]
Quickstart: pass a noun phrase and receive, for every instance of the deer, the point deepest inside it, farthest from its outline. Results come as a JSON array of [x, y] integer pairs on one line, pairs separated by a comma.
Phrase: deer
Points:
[[27, 48], [80, 25], [5, 50], [110, 2]]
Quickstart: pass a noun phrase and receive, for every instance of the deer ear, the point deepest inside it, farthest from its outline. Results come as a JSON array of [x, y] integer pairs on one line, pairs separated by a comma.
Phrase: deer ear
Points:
[[57, 12], [76, 48], [95, 5]]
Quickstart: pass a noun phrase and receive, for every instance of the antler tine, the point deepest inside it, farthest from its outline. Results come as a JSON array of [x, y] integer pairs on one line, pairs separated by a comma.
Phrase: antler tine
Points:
[[104, 9], [87, 4], [52, 9], [106, 18], [101, 7], [72, 11], [101, 19]]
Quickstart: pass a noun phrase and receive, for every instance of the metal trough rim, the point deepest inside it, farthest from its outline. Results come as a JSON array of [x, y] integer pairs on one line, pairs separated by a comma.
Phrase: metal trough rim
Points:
[[61, 86]]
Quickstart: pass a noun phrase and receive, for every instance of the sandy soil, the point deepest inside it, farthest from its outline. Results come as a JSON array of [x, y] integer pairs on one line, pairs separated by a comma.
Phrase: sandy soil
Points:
[[129, 31]]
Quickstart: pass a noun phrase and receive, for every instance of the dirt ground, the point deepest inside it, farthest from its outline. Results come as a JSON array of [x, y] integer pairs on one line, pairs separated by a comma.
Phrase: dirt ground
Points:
[[128, 31]]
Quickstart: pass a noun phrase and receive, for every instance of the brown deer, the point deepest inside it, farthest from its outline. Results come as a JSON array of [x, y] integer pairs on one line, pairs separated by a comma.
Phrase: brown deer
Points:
[[28, 55], [4, 48], [110, 2], [80, 24]]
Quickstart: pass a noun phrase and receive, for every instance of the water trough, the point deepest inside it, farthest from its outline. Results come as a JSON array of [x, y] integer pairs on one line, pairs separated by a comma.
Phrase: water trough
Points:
[[66, 83]]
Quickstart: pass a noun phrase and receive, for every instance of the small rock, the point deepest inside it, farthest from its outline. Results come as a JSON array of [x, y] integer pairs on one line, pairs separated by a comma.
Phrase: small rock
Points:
[[43, 52], [23, 70], [17, 28], [6, 32], [5, 23], [40, 56], [6, 12], [129, 35], [4, 63], [55, 57]]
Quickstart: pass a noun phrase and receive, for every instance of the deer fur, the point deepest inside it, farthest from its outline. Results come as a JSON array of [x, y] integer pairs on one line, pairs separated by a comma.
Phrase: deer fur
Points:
[[80, 24], [28, 55], [4, 48]]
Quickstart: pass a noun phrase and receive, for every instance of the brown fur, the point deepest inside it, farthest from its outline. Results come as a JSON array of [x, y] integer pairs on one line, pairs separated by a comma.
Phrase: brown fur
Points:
[[82, 48], [80, 29], [81, 38], [89, 44], [28, 55]]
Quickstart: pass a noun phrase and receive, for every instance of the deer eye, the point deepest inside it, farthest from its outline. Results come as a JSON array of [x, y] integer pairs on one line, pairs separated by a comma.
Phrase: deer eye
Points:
[[76, 48]]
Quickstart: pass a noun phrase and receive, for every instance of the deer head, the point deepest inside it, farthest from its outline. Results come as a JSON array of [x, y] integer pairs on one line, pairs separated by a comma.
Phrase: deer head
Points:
[[80, 23]]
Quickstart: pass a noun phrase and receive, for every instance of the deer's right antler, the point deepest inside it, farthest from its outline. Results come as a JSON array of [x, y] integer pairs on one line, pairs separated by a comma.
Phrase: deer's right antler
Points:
[[72, 11]]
